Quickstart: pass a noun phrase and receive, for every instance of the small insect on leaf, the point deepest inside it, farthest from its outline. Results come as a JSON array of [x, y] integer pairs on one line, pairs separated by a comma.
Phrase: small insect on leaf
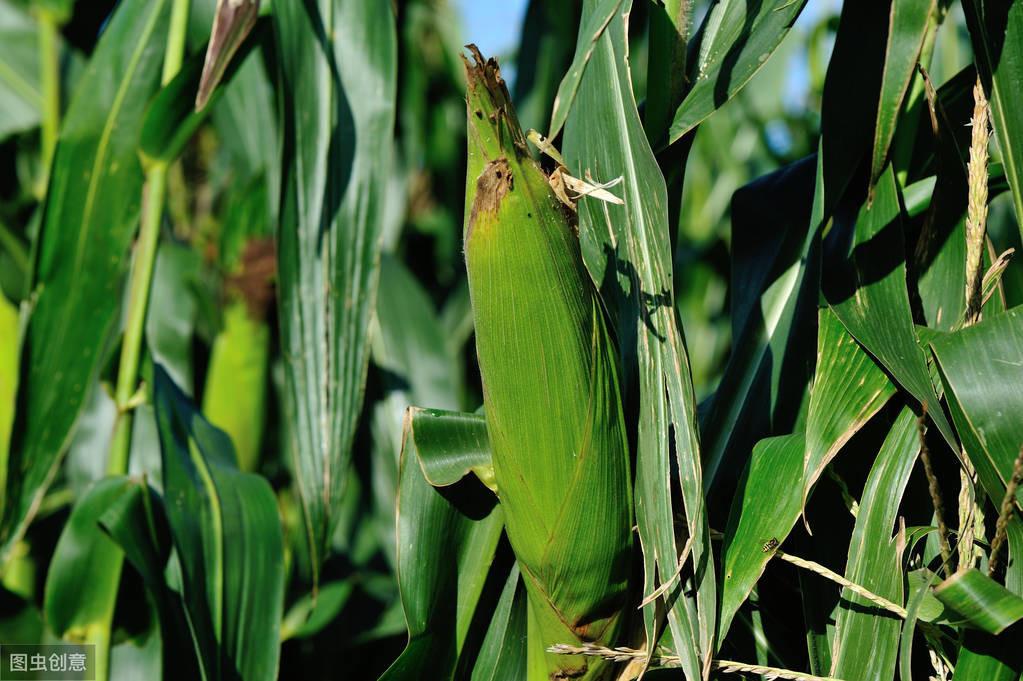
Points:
[[771, 544], [544, 145]]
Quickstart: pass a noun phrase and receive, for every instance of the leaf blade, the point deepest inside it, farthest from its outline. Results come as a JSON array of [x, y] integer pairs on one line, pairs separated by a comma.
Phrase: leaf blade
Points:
[[626, 249], [229, 541], [338, 65], [83, 249]]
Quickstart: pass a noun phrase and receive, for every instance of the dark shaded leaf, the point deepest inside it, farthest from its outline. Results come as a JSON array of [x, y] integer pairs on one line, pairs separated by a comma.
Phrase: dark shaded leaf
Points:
[[670, 25], [227, 533], [136, 522], [775, 280], [503, 654], [852, 91], [983, 657], [544, 56]]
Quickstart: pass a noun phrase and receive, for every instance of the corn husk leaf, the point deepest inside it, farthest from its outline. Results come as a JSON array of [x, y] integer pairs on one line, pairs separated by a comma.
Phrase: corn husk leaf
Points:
[[553, 409]]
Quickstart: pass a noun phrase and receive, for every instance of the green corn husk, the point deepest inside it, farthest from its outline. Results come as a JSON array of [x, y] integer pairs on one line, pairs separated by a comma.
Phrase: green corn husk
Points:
[[234, 398], [551, 392]]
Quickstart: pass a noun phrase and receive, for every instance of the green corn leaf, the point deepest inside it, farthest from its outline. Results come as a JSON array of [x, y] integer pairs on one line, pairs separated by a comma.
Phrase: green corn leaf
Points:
[[446, 543], [20, 95], [138, 656], [85, 572], [983, 657], [82, 583], [137, 523], [171, 119], [981, 369], [920, 596], [869, 295], [848, 389], [311, 614], [412, 345], [91, 213], [943, 276], [227, 533], [867, 641], [456, 319], [627, 251], [503, 655], [10, 333], [996, 30], [172, 311], [438, 596], [769, 482], [338, 63], [734, 42], [461, 446], [980, 601], [911, 21], [245, 113], [1014, 566], [596, 17]]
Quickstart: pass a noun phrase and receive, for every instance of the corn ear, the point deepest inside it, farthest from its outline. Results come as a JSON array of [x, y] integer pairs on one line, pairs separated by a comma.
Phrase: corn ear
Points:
[[551, 393]]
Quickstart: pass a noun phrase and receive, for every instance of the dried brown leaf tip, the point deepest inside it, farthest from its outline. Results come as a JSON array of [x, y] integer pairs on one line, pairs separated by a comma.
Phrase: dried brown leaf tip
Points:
[[231, 25], [485, 71], [489, 101]]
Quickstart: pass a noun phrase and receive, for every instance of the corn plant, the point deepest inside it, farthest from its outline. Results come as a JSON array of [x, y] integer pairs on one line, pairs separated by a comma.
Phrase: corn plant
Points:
[[689, 346]]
